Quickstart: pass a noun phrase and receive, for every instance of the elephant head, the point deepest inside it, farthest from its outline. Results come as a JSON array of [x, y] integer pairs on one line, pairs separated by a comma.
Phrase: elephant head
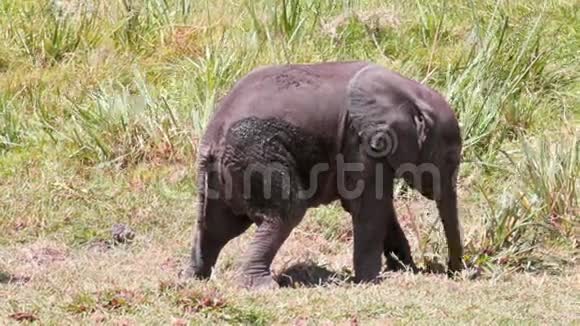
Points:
[[413, 132]]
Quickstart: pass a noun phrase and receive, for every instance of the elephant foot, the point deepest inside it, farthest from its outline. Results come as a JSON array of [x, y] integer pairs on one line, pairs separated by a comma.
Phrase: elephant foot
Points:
[[368, 280], [262, 282], [368, 277], [395, 265], [454, 267], [192, 272], [398, 267], [402, 261]]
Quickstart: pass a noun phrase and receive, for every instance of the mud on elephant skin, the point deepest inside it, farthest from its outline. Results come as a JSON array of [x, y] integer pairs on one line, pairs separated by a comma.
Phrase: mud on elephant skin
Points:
[[290, 137]]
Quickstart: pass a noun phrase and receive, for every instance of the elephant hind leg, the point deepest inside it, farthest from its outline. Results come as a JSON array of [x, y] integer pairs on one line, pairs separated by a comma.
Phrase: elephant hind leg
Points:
[[276, 218], [216, 226], [268, 239], [220, 226]]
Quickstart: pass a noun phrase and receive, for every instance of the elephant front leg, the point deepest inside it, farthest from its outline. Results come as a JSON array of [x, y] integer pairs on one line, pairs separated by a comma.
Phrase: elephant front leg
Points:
[[368, 249], [370, 229], [268, 239], [447, 206]]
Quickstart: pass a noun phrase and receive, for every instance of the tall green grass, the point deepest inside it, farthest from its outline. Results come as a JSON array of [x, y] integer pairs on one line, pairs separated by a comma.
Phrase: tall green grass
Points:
[[47, 37], [496, 88], [126, 128], [144, 24], [11, 125], [538, 205]]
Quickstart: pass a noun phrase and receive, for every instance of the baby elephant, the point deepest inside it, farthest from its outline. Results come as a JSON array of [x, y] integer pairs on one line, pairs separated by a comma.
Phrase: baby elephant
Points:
[[290, 137]]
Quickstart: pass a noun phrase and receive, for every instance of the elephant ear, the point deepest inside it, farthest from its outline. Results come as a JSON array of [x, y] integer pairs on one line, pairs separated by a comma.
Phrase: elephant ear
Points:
[[423, 119], [374, 93]]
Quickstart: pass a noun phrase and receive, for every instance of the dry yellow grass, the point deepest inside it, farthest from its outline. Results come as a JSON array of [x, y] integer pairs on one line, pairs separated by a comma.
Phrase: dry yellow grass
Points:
[[137, 284]]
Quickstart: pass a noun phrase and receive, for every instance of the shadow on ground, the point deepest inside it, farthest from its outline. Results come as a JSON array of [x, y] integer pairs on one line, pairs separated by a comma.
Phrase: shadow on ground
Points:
[[309, 274], [6, 278]]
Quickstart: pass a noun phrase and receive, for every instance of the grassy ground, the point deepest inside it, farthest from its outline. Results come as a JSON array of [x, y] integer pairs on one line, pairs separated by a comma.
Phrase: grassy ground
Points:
[[102, 103]]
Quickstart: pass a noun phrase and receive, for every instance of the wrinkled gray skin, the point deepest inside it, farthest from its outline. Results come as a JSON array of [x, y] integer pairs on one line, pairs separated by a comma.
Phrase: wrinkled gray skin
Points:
[[291, 118]]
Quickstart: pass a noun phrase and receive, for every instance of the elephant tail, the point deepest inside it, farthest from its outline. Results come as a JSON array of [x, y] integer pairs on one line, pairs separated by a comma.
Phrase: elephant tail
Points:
[[202, 204], [202, 188]]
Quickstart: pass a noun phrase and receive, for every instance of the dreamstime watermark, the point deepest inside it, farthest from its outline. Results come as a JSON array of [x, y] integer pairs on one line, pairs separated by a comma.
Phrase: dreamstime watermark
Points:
[[381, 142], [275, 182], [278, 181]]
